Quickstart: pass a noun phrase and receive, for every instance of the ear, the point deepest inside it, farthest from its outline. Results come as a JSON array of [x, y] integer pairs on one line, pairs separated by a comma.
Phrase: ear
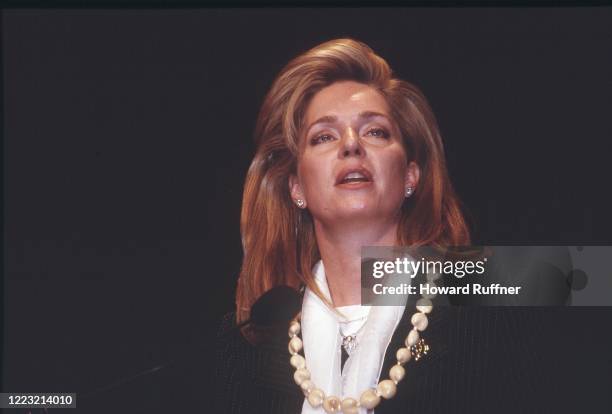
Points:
[[413, 172], [295, 190]]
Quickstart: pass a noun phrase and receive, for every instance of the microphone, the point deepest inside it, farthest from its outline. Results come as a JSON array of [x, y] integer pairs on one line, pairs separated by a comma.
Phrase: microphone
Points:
[[277, 306]]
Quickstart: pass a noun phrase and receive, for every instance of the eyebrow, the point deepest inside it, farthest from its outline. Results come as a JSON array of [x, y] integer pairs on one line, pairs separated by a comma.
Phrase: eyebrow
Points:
[[329, 119]]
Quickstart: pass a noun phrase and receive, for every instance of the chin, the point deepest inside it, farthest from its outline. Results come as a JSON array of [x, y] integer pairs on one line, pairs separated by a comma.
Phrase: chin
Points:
[[357, 210]]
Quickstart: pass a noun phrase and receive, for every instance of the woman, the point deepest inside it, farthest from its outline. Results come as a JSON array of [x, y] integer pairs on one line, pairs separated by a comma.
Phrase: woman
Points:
[[347, 156]]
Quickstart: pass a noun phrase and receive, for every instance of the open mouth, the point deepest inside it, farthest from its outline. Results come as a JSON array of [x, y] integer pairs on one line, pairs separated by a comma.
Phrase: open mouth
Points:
[[354, 176]]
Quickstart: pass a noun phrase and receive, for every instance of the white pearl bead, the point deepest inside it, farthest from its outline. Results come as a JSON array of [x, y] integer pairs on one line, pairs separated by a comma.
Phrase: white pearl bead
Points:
[[294, 329], [419, 321], [301, 375], [315, 398], [350, 406], [396, 373], [413, 338], [369, 399], [386, 389], [424, 305], [307, 386], [295, 345], [332, 404], [403, 355], [297, 361]]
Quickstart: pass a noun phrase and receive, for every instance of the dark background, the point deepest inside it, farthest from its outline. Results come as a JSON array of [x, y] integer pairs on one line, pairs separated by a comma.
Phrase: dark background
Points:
[[128, 136]]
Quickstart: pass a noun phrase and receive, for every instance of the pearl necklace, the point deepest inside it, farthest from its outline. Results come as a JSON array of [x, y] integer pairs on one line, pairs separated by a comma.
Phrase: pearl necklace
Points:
[[370, 398]]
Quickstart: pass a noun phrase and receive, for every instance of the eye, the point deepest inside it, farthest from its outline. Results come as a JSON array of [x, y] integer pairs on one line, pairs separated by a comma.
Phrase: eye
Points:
[[318, 139], [377, 132]]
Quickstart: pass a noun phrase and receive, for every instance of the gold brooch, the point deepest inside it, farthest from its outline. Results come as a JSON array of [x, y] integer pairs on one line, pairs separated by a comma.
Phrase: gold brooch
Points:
[[419, 349]]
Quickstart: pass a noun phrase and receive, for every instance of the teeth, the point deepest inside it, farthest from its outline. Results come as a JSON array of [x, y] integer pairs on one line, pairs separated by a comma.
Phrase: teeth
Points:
[[354, 175]]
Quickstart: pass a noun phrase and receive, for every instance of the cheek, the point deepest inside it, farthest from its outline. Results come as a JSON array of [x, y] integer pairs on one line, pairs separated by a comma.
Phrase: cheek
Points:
[[394, 167], [313, 173]]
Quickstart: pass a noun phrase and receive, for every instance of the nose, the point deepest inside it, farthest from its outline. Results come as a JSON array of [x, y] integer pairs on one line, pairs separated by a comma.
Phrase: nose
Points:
[[351, 147]]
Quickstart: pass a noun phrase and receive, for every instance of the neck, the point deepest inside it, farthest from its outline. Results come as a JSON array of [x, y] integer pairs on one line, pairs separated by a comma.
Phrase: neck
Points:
[[340, 249]]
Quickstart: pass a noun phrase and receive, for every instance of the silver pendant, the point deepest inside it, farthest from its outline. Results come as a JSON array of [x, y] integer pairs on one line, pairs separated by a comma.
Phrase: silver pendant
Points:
[[349, 343]]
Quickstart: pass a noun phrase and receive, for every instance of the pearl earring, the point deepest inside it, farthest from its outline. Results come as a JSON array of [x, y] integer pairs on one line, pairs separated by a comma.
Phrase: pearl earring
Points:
[[409, 192], [300, 203]]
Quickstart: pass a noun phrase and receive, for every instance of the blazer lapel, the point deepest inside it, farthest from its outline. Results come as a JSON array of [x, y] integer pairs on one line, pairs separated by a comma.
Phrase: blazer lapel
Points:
[[435, 336], [270, 365]]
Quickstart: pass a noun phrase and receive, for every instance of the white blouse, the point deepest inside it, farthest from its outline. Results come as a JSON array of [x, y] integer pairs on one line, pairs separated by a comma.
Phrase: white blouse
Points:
[[322, 332]]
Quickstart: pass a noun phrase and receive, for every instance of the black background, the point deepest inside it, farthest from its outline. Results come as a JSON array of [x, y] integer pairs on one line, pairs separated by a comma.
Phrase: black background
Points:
[[128, 136]]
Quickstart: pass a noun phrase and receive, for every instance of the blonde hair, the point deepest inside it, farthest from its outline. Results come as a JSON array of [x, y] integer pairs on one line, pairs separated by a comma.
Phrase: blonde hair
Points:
[[278, 239]]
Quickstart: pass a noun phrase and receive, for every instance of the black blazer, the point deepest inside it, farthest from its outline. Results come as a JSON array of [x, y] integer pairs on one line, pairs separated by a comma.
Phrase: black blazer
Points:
[[481, 360]]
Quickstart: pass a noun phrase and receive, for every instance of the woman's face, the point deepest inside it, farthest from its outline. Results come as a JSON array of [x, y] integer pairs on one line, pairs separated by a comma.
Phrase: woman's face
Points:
[[352, 164]]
